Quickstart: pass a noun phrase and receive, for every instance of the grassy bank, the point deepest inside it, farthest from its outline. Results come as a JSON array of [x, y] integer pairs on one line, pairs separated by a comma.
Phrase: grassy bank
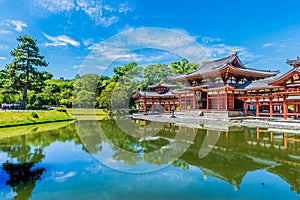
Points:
[[8, 119], [7, 132]]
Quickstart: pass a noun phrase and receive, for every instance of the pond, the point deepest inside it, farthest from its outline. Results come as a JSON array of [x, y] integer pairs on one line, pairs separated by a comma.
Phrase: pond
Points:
[[135, 159]]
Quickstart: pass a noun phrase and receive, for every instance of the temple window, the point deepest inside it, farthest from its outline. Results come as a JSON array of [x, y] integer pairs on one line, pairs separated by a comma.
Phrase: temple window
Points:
[[243, 80], [231, 80], [218, 80]]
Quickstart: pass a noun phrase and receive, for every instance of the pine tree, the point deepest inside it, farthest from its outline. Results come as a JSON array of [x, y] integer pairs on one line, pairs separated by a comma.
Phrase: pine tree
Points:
[[22, 70]]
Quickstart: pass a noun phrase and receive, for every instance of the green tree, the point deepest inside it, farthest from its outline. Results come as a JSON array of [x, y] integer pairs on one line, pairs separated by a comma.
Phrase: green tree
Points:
[[121, 71], [7, 93], [119, 89], [184, 66], [85, 90], [154, 74], [22, 70]]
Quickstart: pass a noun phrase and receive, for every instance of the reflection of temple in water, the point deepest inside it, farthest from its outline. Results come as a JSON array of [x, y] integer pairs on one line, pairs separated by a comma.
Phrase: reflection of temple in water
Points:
[[230, 153], [242, 150]]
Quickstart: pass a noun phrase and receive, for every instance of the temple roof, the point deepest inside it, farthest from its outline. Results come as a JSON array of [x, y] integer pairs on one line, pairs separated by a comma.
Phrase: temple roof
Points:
[[152, 94], [162, 84], [289, 173], [215, 66], [259, 84], [282, 78], [182, 91], [294, 62]]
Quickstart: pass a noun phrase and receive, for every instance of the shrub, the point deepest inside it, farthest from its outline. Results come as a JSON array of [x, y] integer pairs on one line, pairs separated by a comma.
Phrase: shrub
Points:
[[34, 115]]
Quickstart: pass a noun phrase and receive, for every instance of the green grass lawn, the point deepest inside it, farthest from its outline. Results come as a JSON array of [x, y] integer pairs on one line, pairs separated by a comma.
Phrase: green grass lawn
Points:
[[23, 118]]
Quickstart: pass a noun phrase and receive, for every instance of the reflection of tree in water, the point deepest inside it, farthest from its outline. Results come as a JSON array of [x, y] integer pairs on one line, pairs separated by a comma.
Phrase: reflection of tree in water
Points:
[[22, 174], [90, 135], [22, 178], [181, 164], [122, 143], [25, 152], [132, 150]]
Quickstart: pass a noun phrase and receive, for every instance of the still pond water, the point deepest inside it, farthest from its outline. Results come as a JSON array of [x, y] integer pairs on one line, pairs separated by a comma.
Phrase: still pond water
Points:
[[127, 159]]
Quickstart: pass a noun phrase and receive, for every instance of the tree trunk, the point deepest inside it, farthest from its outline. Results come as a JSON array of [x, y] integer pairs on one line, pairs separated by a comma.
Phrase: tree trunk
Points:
[[24, 99]]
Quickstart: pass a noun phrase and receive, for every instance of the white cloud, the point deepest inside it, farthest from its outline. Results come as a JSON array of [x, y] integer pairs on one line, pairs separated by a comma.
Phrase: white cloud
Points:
[[60, 40], [3, 31], [109, 8], [2, 58], [128, 46], [18, 25], [55, 5], [124, 8], [121, 46], [7, 26], [270, 44], [87, 42], [282, 45], [102, 12], [108, 21], [210, 40], [222, 50]]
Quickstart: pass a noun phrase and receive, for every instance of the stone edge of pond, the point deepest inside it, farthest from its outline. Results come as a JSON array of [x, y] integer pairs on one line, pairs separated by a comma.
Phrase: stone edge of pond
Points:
[[262, 123]]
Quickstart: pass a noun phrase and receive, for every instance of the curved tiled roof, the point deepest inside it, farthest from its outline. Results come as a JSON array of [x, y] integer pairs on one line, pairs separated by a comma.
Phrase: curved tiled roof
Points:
[[259, 84], [295, 69], [162, 84], [153, 94], [216, 65]]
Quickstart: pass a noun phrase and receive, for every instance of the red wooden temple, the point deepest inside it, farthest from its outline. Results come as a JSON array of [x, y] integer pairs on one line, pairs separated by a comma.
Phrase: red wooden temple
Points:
[[159, 100], [227, 85]]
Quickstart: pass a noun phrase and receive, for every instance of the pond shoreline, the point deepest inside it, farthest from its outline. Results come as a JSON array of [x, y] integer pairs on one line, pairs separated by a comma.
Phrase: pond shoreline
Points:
[[34, 123], [196, 121]]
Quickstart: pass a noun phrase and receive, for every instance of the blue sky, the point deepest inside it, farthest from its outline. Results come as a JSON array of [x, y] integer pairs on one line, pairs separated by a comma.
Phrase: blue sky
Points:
[[264, 33]]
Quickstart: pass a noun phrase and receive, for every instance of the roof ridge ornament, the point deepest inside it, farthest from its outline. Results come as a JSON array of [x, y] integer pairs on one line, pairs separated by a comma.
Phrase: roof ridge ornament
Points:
[[294, 63], [233, 52]]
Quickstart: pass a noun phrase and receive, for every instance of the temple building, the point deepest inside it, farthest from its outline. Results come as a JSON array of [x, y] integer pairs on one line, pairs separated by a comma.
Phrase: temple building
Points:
[[226, 85], [214, 83], [161, 99], [278, 97]]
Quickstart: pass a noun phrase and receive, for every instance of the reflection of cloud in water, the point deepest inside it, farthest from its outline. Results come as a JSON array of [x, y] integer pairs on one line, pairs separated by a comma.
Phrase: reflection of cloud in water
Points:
[[111, 161], [3, 157], [62, 176], [95, 168], [7, 195]]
